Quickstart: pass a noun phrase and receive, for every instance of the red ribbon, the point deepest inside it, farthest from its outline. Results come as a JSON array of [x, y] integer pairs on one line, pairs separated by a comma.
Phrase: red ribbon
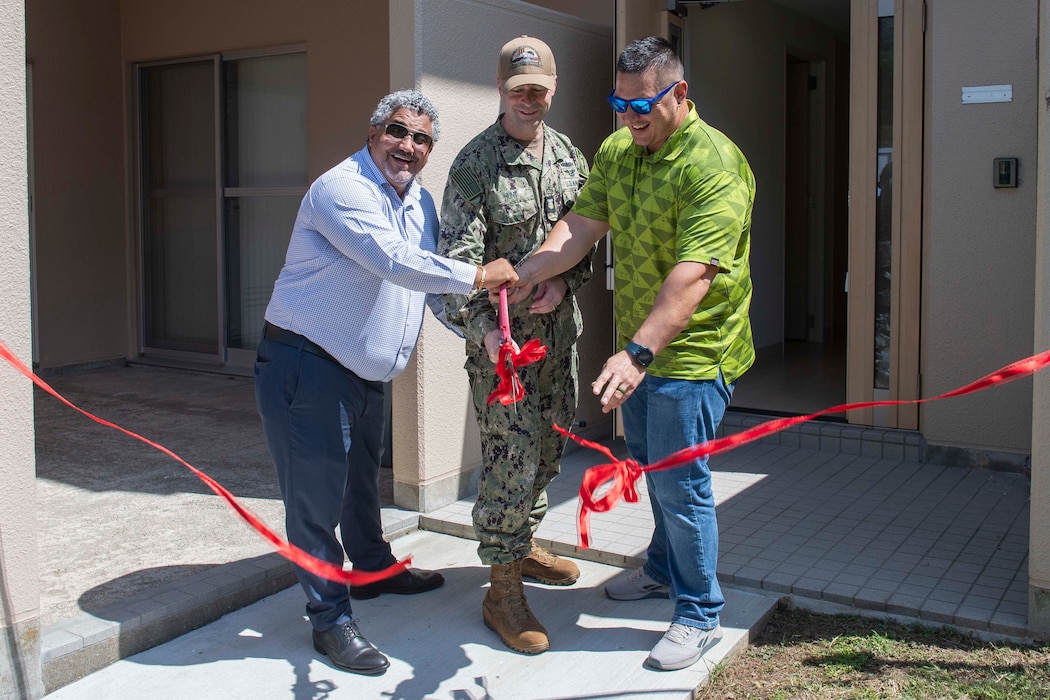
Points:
[[332, 572], [621, 475], [509, 389]]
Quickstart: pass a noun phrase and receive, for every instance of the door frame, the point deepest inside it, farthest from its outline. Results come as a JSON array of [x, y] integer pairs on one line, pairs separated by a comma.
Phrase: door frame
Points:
[[906, 216], [142, 213]]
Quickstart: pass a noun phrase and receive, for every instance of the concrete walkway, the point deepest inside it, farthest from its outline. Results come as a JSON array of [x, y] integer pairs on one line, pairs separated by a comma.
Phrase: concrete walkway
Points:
[[825, 514], [437, 644]]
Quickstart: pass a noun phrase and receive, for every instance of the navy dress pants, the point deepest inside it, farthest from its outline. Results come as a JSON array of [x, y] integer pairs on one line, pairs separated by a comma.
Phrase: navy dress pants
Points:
[[324, 426]]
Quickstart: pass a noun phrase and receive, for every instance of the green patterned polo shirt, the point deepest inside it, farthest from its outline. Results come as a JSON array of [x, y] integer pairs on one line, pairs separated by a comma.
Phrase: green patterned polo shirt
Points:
[[690, 201]]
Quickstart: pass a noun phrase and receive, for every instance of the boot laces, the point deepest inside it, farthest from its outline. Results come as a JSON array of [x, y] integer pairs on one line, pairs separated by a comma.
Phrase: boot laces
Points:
[[518, 609], [542, 556]]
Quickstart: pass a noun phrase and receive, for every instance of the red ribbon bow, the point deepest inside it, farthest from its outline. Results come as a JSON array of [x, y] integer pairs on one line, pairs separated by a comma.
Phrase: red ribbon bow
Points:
[[510, 390], [622, 475]]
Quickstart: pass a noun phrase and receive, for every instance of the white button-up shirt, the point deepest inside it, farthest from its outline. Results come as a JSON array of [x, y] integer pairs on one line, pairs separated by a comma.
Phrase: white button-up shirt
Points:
[[359, 266]]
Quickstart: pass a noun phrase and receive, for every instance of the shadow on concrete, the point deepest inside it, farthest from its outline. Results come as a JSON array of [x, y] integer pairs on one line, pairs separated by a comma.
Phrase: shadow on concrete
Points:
[[97, 599]]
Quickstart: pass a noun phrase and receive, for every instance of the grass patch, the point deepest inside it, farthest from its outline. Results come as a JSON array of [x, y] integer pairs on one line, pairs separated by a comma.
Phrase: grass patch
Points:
[[809, 656]]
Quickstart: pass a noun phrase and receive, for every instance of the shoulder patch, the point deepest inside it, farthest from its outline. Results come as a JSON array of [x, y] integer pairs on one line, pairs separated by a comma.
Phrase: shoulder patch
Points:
[[467, 183]]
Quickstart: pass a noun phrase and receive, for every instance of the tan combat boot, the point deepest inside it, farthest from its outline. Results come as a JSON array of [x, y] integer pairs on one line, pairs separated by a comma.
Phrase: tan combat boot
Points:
[[548, 568], [507, 612]]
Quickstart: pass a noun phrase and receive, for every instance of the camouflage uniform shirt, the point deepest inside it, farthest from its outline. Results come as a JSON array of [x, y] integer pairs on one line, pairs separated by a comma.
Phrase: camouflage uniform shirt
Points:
[[501, 202]]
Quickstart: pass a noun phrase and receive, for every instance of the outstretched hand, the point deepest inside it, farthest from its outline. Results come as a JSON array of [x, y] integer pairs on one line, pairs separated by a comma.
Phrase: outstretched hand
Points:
[[515, 295], [518, 290], [493, 342], [497, 273], [548, 294]]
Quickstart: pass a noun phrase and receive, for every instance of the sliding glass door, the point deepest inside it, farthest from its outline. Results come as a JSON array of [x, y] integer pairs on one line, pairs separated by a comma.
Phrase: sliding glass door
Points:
[[223, 164], [180, 207]]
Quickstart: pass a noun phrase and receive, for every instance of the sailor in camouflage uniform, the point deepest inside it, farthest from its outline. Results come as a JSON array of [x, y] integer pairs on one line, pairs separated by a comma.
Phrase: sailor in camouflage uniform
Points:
[[506, 189]]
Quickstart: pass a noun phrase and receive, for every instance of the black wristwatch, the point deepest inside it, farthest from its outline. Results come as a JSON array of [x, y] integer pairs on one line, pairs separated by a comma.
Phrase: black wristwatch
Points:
[[640, 354]]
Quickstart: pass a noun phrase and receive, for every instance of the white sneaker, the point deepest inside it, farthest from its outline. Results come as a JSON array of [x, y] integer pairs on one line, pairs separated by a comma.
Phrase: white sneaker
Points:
[[682, 646], [636, 586]]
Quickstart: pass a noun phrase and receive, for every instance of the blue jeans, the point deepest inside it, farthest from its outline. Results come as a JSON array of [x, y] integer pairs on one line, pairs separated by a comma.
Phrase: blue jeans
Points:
[[324, 426], [661, 417]]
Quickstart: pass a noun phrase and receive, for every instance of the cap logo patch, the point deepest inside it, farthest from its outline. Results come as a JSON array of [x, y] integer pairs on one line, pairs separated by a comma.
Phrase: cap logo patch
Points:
[[525, 56]]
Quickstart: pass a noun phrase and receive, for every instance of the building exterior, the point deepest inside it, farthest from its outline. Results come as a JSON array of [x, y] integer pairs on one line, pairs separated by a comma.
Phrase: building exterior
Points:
[[155, 153]]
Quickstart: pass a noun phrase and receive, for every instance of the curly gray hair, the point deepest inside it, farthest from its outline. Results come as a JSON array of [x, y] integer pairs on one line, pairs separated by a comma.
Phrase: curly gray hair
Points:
[[408, 99]]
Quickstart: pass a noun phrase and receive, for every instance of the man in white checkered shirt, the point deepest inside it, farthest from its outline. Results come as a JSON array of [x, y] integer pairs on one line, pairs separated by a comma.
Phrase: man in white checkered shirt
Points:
[[343, 319]]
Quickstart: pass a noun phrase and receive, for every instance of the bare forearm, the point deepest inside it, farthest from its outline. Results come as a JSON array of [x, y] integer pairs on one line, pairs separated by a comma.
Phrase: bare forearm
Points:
[[569, 241], [677, 300]]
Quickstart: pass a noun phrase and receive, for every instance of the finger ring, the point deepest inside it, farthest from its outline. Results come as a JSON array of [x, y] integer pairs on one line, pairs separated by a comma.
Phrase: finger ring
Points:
[[621, 390]]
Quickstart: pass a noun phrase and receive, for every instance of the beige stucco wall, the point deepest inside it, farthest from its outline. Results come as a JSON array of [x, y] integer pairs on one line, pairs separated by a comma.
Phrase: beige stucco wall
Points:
[[160, 29], [345, 79], [19, 571], [79, 185], [980, 244], [599, 12], [745, 98], [432, 451], [1039, 532]]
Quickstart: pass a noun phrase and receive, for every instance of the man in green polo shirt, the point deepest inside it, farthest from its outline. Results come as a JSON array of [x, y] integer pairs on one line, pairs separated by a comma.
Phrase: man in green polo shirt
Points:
[[677, 196]]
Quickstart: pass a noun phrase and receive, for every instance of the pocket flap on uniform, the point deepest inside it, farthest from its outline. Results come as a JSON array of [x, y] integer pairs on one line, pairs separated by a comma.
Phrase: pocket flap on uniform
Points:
[[515, 211]]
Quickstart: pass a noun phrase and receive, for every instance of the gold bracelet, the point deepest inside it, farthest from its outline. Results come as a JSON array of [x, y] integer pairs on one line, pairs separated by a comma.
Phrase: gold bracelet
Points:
[[481, 284]]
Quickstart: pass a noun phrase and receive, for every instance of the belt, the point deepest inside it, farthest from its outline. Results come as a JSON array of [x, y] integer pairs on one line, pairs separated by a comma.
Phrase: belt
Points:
[[293, 339]]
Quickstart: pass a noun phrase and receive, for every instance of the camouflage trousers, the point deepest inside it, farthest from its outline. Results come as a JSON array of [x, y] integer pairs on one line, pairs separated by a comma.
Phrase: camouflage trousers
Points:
[[521, 452]]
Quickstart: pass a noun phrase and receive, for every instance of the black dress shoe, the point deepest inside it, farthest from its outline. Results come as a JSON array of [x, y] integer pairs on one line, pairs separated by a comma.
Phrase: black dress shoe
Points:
[[407, 582], [348, 650]]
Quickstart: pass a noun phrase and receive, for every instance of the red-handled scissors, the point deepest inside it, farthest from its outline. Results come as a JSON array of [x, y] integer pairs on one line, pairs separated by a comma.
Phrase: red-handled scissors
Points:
[[510, 389]]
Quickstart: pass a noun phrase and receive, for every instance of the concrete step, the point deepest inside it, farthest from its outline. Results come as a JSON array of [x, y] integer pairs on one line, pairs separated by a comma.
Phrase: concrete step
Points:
[[437, 643]]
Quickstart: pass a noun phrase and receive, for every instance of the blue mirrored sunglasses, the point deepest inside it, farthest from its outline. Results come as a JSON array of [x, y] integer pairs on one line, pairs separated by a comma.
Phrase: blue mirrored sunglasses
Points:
[[640, 106]]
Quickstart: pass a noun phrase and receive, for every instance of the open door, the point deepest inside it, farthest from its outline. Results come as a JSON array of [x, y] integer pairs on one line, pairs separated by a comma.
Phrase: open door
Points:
[[798, 133]]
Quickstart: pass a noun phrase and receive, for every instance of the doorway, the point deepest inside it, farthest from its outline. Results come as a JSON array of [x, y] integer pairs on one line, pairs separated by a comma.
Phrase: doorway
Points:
[[836, 313], [804, 370], [773, 75]]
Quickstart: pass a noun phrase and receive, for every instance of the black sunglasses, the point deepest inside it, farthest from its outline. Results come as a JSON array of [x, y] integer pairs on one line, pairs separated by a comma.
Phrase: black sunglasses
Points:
[[641, 106], [400, 131]]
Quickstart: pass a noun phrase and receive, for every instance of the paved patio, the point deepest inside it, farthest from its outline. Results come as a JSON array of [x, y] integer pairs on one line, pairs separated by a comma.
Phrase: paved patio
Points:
[[831, 516], [827, 512]]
